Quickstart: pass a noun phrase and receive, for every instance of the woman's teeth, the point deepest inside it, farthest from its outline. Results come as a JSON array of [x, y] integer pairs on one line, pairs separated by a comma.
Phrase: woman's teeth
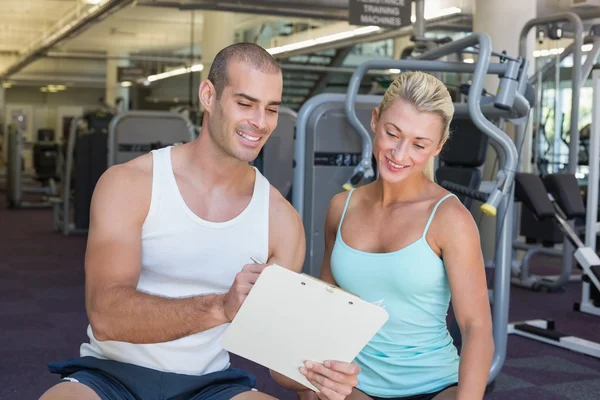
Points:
[[395, 165]]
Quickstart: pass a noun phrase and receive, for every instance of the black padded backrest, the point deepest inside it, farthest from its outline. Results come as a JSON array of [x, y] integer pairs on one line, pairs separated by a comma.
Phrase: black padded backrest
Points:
[[565, 190], [530, 190], [470, 177], [45, 159], [98, 121], [91, 154], [466, 147], [45, 135]]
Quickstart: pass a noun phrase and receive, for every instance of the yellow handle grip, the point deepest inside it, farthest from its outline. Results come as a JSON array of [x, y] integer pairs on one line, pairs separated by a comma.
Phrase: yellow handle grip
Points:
[[488, 210]]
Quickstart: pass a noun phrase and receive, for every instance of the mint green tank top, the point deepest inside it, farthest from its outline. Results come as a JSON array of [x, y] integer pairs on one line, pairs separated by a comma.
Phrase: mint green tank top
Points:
[[413, 352]]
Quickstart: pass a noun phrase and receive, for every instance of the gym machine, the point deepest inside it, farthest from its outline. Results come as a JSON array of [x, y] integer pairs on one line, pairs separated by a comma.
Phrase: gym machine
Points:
[[275, 159], [590, 297], [557, 197], [84, 163], [107, 141], [45, 159], [135, 133], [546, 232], [329, 158]]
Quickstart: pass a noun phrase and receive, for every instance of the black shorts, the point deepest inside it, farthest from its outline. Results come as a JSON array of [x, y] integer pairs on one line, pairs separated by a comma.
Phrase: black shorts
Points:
[[113, 380], [424, 396]]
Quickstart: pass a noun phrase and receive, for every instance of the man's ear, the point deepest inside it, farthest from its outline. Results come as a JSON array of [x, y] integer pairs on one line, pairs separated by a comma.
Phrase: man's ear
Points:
[[207, 95]]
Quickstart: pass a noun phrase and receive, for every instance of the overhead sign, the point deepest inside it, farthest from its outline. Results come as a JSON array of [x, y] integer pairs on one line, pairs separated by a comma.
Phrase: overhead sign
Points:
[[382, 13], [130, 74]]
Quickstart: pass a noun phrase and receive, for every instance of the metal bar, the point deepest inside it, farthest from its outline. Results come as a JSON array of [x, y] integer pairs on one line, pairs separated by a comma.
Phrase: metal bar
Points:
[[557, 117], [13, 166], [570, 233], [575, 20], [325, 68], [104, 56], [591, 217], [592, 56], [502, 275], [537, 119], [69, 165], [462, 110], [383, 66], [447, 49], [419, 23]]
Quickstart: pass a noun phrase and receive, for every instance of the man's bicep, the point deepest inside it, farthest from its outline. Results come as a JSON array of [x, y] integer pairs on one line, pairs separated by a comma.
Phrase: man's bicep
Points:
[[286, 235], [113, 253]]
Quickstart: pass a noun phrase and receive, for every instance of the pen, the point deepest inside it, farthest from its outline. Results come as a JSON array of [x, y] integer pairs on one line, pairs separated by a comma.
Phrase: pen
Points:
[[256, 261]]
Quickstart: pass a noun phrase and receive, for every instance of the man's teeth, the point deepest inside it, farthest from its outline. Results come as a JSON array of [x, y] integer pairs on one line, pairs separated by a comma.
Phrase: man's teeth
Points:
[[251, 138], [396, 165]]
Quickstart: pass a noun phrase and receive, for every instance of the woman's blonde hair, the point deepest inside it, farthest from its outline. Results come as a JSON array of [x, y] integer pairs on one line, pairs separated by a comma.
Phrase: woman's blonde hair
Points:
[[427, 94]]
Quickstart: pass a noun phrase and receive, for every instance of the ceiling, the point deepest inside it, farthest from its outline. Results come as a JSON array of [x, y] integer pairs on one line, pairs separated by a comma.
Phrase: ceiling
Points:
[[141, 28], [136, 29]]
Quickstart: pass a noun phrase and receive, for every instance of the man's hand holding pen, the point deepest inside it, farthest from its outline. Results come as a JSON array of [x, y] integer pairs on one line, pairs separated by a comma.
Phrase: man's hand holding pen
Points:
[[242, 284]]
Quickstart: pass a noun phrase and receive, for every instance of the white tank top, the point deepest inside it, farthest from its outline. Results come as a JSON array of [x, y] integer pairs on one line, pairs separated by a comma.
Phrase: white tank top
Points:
[[184, 255]]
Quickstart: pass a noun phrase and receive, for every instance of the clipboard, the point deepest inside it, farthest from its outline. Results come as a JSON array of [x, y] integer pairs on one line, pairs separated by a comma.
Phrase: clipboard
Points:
[[289, 318]]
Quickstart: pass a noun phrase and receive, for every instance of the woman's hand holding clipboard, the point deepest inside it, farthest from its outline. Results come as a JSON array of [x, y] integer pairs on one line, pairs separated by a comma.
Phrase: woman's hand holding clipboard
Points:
[[289, 320]]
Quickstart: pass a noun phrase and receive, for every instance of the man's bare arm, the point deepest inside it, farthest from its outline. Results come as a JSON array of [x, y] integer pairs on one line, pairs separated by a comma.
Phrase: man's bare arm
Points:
[[287, 243], [287, 247], [116, 310]]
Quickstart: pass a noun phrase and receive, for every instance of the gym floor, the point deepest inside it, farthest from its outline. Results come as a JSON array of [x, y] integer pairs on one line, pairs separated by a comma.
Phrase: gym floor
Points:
[[42, 314]]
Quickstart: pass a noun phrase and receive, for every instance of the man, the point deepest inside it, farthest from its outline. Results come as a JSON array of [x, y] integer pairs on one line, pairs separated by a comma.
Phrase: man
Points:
[[168, 262]]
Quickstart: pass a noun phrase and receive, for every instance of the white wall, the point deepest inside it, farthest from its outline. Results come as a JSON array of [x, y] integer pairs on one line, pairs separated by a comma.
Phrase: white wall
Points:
[[71, 96], [45, 110]]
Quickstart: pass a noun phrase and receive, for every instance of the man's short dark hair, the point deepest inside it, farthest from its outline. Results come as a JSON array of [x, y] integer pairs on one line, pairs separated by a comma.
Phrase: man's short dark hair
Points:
[[250, 53]]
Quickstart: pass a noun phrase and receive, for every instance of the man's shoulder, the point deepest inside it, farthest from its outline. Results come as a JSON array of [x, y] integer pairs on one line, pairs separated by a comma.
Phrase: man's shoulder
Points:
[[281, 211], [287, 242], [127, 182]]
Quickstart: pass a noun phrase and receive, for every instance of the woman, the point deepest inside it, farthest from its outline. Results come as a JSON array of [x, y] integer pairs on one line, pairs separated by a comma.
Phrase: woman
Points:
[[405, 242]]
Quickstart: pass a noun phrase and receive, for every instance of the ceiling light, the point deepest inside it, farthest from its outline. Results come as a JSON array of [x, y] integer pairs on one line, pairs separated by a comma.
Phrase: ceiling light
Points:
[[175, 72], [125, 84], [444, 12], [324, 39], [553, 52]]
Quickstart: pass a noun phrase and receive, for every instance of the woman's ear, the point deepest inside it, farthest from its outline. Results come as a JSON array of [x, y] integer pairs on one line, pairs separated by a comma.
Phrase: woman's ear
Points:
[[440, 147], [374, 119]]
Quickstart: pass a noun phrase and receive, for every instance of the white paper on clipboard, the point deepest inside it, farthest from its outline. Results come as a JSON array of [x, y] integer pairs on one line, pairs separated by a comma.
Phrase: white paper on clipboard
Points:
[[289, 318]]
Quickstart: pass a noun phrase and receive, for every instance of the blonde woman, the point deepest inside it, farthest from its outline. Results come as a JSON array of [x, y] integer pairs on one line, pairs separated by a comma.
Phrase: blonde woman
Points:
[[409, 244]]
